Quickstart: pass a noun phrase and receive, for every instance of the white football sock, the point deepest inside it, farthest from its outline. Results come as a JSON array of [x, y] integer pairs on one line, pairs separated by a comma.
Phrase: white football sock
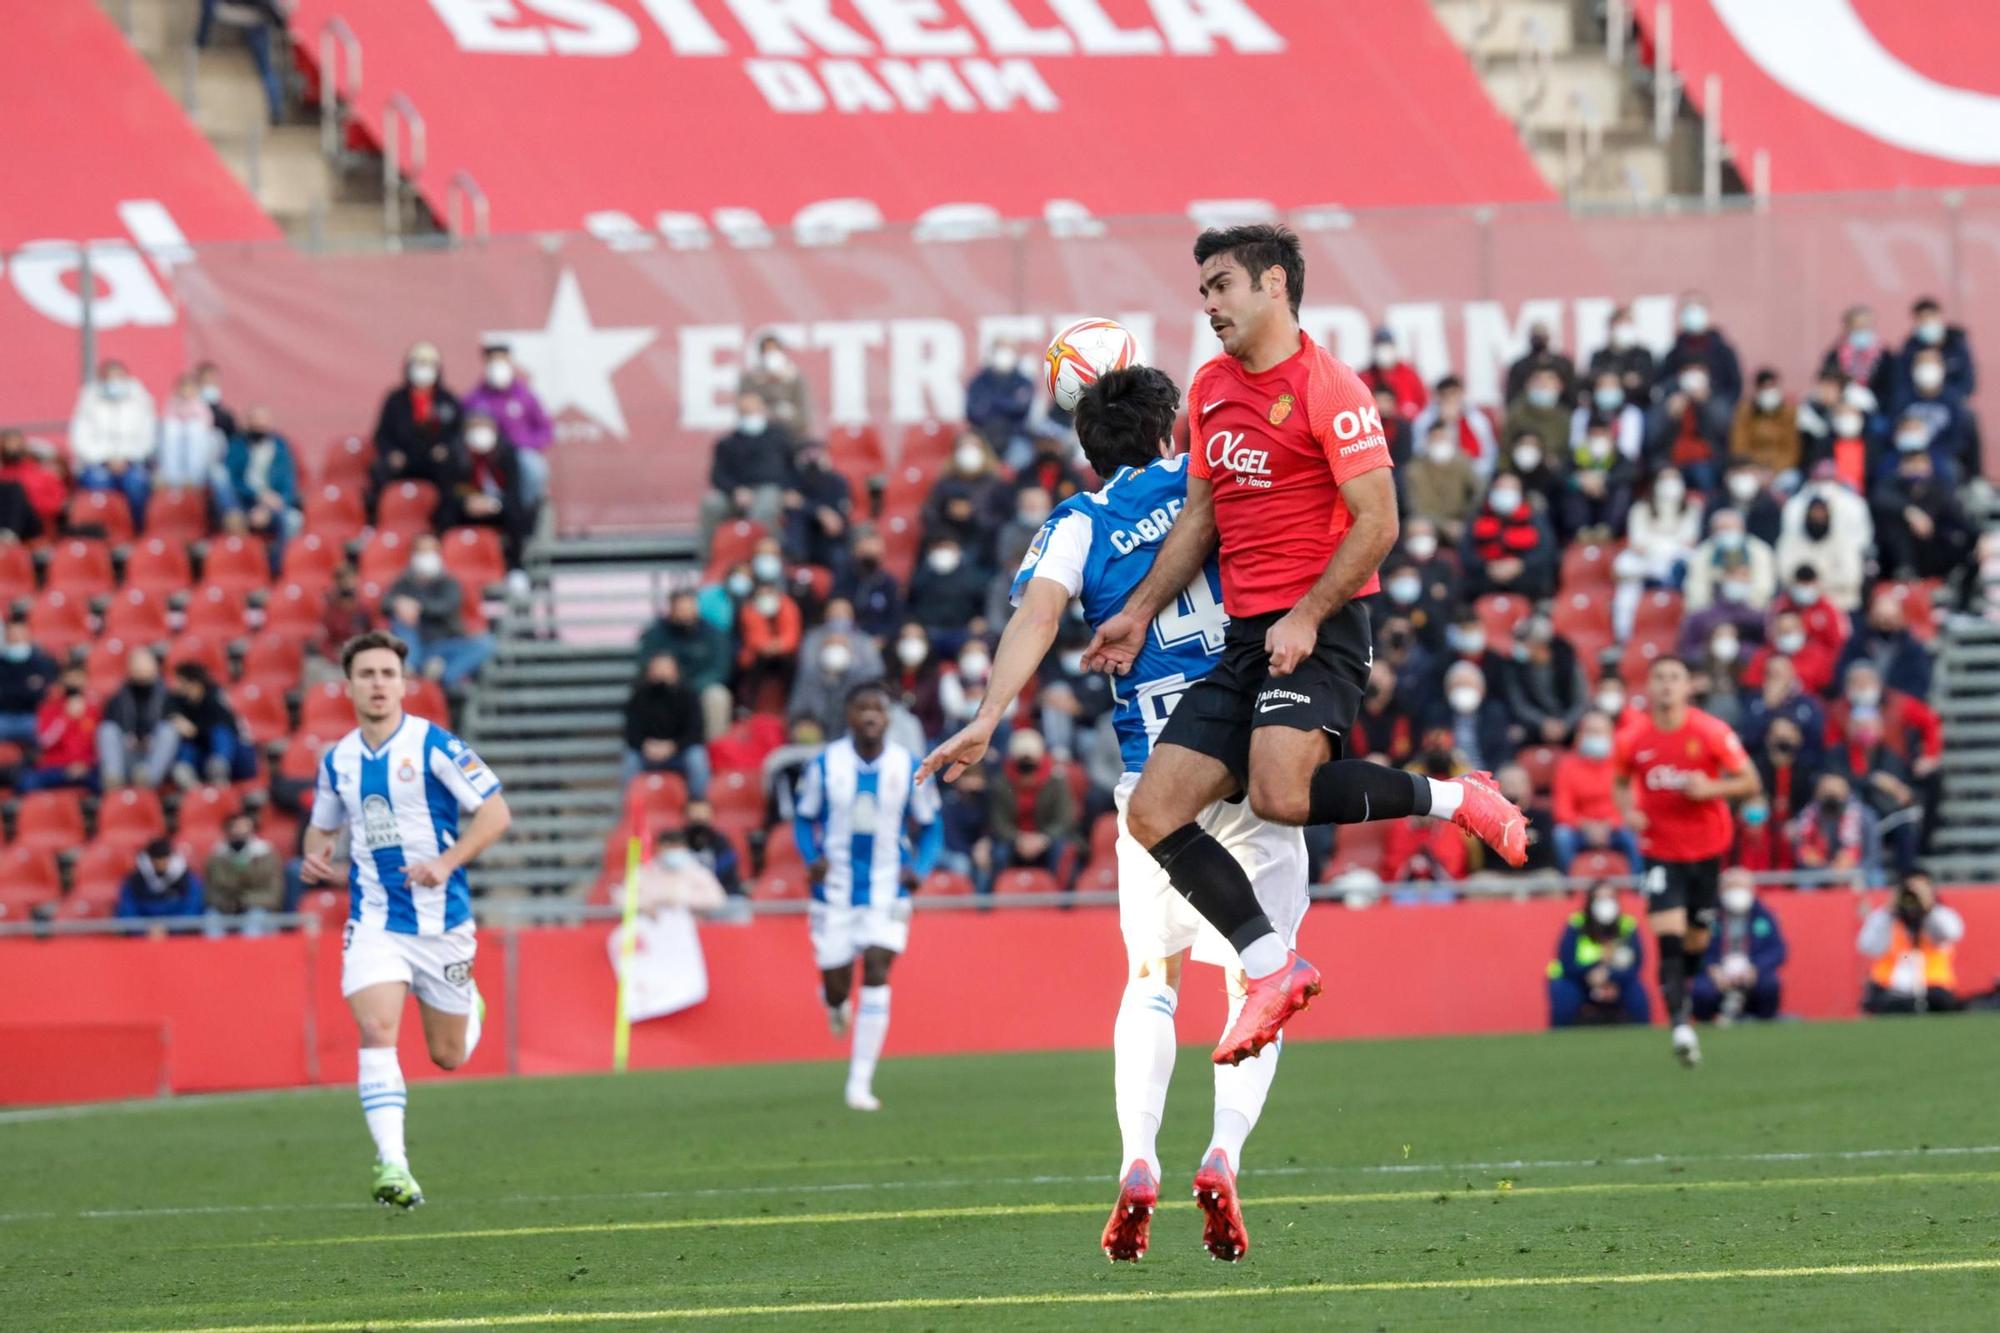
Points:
[[474, 1024], [1446, 797], [382, 1101], [1239, 1094], [871, 1029], [1265, 955], [1142, 1064]]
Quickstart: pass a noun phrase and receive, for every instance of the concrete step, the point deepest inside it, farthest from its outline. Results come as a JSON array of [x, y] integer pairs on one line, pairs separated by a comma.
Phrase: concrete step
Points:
[[1492, 28], [1975, 733], [497, 705], [1964, 867], [1959, 838], [606, 670], [514, 879], [588, 821], [1550, 96], [547, 851], [1970, 811], [533, 755], [523, 646], [528, 802], [1965, 708], [543, 777], [523, 725]]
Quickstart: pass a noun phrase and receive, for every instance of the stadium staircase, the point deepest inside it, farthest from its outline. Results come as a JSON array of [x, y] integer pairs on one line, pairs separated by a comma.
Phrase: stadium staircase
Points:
[[1581, 114], [315, 199], [549, 710], [1967, 694]]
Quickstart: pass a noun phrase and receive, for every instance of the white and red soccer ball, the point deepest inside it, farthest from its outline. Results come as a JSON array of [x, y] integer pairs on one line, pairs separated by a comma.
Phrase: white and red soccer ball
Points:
[[1082, 352]]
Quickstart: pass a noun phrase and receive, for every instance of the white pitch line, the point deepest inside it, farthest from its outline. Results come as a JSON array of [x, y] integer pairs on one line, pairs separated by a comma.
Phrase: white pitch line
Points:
[[870, 1186]]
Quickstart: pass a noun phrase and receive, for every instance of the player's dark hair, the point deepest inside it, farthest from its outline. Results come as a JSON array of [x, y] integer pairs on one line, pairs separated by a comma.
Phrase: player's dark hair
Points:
[[1123, 418], [867, 687], [1674, 658], [1257, 247], [364, 643]]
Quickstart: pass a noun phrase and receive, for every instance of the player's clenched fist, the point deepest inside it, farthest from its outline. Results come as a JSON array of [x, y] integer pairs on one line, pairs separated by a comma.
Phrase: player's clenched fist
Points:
[[1116, 644], [1290, 641]]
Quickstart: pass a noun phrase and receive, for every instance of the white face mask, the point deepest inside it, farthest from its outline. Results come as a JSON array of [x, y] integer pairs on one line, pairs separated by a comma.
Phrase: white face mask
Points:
[[1528, 457], [1440, 452], [481, 441], [211, 393], [835, 658], [969, 458], [739, 586], [1405, 591], [1724, 647], [1928, 376], [423, 374], [1806, 594], [1612, 702], [676, 858], [1735, 591], [1422, 546], [1737, 901], [500, 374], [768, 603], [1506, 499], [1770, 400], [1789, 643], [751, 426], [1669, 491], [1604, 911], [1386, 355], [1609, 398], [1623, 335], [944, 560], [911, 651], [1694, 382], [1694, 318], [1742, 487], [1464, 699], [767, 567], [1468, 644], [1005, 359], [1847, 425], [116, 389], [776, 362], [1912, 442], [1864, 697], [1930, 332], [427, 564], [1543, 396], [1729, 539], [1594, 747], [974, 666]]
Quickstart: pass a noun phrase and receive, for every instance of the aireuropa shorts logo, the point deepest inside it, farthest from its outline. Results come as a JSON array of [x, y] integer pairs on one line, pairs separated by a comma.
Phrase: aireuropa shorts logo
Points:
[[458, 974]]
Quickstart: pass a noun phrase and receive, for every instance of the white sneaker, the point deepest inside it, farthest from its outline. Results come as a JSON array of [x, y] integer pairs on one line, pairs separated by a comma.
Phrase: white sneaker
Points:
[[1687, 1046], [860, 1099]]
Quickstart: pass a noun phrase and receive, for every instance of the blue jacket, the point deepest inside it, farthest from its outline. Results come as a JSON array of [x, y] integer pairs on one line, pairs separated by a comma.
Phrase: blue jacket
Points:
[[1766, 943], [145, 894], [283, 477]]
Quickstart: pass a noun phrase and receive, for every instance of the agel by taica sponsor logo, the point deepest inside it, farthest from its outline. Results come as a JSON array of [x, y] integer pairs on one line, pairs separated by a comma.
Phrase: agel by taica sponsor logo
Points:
[[1225, 453]]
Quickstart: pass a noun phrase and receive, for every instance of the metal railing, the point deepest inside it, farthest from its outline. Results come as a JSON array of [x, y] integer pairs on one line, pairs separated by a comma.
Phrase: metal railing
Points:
[[210, 924], [402, 127], [1713, 150], [339, 75], [1617, 28], [1666, 84], [1534, 72], [463, 188], [1583, 140]]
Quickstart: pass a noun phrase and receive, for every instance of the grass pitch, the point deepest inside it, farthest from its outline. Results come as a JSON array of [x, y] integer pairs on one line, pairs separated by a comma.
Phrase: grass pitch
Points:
[[1833, 1176]]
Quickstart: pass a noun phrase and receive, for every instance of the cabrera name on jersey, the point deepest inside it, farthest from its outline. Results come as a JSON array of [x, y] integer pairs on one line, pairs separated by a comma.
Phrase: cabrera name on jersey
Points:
[[401, 806], [1099, 547]]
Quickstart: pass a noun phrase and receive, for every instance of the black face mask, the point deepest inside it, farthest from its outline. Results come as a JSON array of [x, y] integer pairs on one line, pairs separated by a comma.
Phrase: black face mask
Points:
[[1026, 766], [1438, 762], [238, 844], [1816, 528], [1831, 808]]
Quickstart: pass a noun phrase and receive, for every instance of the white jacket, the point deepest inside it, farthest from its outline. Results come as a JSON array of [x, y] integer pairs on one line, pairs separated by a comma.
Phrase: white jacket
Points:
[[1703, 573], [105, 429], [1662, 539], [1840, 557]]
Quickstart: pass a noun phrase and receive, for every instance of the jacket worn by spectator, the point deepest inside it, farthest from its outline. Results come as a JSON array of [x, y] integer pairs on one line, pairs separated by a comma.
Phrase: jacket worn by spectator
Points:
[[107, 429], [137, 710], [1447, 493], [1911, 728], [948, 600], [663, 711], [998, 404], [1769, 439], [516, 411], [703, 651], [149, 893], [66, 738], [422, 425], [491, 475], [1905, 664], [25, 679], [238, 879], [1711, 351], [41, 486], [1523, 535], [746, 462], [439, 601], [1040, 802], [257, 465]]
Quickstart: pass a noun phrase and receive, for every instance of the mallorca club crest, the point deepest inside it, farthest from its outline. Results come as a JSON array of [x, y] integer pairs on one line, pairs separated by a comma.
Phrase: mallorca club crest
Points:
[[1281, 409]]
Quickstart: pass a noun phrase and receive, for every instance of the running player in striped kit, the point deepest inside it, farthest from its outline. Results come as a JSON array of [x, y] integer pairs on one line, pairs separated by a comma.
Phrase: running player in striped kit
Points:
[[855, 809], [400, 786]]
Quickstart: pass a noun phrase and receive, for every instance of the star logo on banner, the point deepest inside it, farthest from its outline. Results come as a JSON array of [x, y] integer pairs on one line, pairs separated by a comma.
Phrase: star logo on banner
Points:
[[572, 362]]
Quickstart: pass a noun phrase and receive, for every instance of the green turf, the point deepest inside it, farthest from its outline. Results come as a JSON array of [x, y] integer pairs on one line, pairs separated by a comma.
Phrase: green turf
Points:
[[1377, 1191]]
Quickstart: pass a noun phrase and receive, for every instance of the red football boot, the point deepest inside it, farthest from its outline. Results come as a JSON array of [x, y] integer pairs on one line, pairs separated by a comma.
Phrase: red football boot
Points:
[[1269, 1002], [1492, 818], [1131, 1223], [1222, 1232]]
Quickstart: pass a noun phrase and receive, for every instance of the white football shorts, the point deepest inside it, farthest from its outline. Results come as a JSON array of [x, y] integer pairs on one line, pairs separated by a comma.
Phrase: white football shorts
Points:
[[840, 932], [1158, 922], [436, 968]]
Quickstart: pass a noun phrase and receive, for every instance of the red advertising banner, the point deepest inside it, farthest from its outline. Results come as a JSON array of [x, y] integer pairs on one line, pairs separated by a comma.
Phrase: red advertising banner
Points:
[[636, 349]]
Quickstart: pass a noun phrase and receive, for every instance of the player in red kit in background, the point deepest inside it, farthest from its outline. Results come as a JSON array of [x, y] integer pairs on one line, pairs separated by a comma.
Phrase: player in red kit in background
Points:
[[1289, 481], [1677, 769]]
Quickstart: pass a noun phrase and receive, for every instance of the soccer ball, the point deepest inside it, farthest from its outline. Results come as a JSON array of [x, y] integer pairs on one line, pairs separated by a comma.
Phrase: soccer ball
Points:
[[1082, 352]]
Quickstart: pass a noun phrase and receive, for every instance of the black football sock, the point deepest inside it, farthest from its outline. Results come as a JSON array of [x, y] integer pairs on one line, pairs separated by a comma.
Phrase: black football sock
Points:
[[1204, 873], [1673, 978], [1354, 791]]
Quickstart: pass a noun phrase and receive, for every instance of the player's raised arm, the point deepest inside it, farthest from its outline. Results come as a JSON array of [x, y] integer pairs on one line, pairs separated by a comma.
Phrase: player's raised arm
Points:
[[1118, 640], [1030, 632]]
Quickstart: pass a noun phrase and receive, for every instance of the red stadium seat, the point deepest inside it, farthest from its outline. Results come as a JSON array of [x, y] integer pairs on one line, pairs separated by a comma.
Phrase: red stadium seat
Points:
[[424, 698], [104, 669], [178, 515], [733, 544], [131, 817], [218, 613], [1359, 847], [1104, 837], [663, 797], [786, 883], [1587, 565], [274, 661], [100, 875], [137, 616], [310, 560], [901, 536], [347, 459], [1499, 612], [856, 451], [327, 710], [81, 567], [237, 562], [1660, 611], [781, 848], [946, 884], [909, 484], [300, 761], [738, 799], [1100, 876], [29, 878], [474, 557], [472, 615], [295, 611], [1025, 880], [1585, 612], [1638, 660], [17, 571], [159, 566], [927, 444], [1540, 763], [203, 812], [1590, 643], [107, 511], [406, 507], [742, 748], [335, 513], [50, 819], [59, 622], [200, 649], [384, 558], [261, 711], [1599, 863]]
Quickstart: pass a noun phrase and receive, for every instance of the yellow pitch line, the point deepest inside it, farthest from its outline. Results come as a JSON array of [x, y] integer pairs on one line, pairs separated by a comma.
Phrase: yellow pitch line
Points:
[[970, 1211], [1053, 1298]]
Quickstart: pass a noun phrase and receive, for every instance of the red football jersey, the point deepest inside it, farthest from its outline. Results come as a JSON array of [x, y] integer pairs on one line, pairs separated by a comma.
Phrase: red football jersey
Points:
[[1276, 447], [1659, 763]]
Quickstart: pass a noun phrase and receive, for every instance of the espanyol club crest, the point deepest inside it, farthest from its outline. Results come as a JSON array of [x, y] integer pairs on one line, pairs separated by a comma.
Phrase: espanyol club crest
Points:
[[407, 771]]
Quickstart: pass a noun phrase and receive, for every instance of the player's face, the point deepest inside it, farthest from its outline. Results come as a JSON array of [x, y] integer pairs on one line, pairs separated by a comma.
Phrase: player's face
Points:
[[375, 683], [1668, 684], [1236, 305], [868, 718]]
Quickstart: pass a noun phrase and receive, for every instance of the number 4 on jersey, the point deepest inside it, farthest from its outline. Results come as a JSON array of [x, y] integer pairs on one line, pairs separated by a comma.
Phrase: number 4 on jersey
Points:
[[1195, 614]]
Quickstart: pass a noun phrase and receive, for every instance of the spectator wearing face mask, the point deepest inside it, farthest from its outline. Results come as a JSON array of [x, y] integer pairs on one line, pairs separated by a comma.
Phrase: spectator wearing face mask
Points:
[[212, 746], [676, 878], [833, 658], [1788, 639], [492, 490], [417, 430], [26, 673], [774, 379], [969, 503], [1885, 642], [134, 742], [1663, 528], [1385, 729], [1689, 429], [1730, 556], [1831, 833], [965, 809], [702, 652], [1814, 416], [1738, 977], [66, 730], [873, 590], [1860, 356], [113, 436], [1921, 530], [1428, 607], [244, 876], [1950, 432], [750, 471], [259, 490], [1543, 685], [1825, 624], [1598, 496], [1464, 641], [1540, 471], [1388, 370], [1069, 700], [1031, 811], [1518, 787], [1911, 730], [1913, 438], [1010, 547], [1597, 977], [425, 609], [962, 686], [32, 494], [1700, 344], [1781, 700], [1477, 722], [916, 674], [711, 847], [1586, 812], [1828, 527], [1509, 547], [948, 595], [1000, 399], [1766, 429], [1625, 356], [1882, 782], [1930, 333], [1730, 610], [1749, 490], [160, 885], [1443, 484], [190, 451], [1395, 429], [1466, 426], [1611, 408], [506, 400], [1542, 358], [769, 627], [1719, 669], [1910, 945], [1539, 408], [663, 727], [818, 506], [1051, 470], [1789, 777]]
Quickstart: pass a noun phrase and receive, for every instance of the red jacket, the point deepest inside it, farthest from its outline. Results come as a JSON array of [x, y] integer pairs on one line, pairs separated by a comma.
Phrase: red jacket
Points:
[[1402, 380], [1910, 727], [66, 740], [1583, 791], [1825, 623], [1813, 663], [46, 489]]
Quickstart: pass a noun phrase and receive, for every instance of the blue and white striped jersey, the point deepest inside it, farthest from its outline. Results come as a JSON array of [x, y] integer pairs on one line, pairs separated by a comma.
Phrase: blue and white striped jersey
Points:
[[1099, 547], [401, 805], [857, 816]]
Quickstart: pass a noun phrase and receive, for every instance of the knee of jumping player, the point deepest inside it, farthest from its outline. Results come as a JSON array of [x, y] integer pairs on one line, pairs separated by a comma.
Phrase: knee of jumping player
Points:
[[1151, 818], [448, 1052], [377, 1031], [1278, 800]]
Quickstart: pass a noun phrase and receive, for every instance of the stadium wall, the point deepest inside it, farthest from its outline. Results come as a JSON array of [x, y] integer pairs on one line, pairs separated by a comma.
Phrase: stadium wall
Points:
[[93, 1018]]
